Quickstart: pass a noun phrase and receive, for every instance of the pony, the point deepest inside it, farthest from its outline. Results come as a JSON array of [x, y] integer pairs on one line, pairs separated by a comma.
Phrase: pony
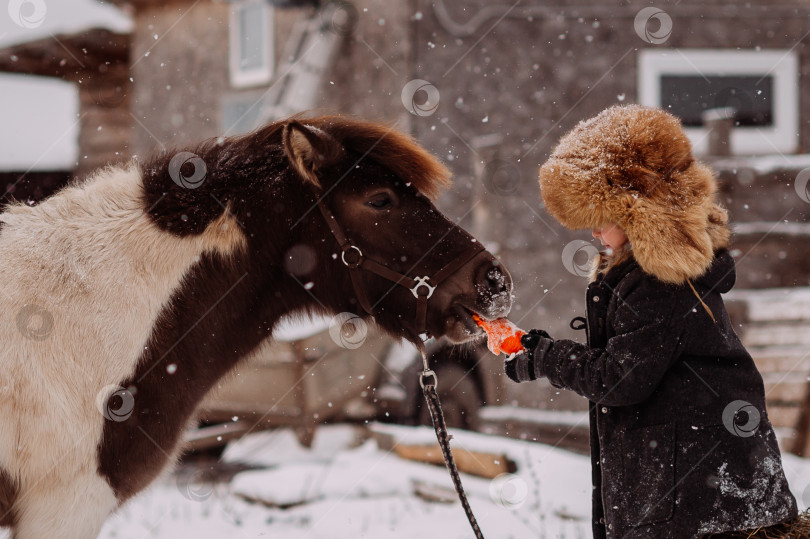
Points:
[[125, 297]]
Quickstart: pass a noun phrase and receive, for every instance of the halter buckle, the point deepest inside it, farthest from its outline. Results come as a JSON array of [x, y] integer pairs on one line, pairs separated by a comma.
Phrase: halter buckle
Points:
[[422, 281], [428, 378], [355, 264]]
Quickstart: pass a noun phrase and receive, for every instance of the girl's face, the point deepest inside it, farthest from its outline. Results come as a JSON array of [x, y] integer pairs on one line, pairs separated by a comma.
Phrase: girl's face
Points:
[[611, 236]]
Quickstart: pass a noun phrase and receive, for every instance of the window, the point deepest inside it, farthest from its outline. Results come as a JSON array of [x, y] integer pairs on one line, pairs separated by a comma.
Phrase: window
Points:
[[251, 43], [762, 87], [242, 112]]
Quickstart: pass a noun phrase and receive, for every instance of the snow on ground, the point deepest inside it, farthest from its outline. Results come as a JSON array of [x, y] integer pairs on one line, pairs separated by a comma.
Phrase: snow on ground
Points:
[[346, 485], [341, 489]]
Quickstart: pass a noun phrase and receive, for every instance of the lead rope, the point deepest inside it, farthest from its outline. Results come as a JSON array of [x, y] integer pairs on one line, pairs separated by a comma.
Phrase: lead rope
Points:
[[439, 425]]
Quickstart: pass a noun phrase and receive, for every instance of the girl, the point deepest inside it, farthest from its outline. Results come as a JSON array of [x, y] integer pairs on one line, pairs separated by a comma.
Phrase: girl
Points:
[[681, 445]]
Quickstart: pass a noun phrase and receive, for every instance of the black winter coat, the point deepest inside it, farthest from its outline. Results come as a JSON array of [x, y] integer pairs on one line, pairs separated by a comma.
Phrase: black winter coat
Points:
[[681, 445]]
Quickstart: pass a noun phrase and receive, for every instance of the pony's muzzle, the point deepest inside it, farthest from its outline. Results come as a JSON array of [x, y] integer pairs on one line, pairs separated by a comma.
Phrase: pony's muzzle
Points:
[[494, 286]]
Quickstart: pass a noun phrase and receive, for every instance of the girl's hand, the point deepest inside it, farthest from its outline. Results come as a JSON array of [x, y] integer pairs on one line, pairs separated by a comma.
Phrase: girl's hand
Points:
[[527, 365], [532, 338], [515, 363]]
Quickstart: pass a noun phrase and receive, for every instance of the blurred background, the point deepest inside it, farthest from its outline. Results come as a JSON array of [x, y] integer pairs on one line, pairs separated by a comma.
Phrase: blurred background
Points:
[[487, 87]]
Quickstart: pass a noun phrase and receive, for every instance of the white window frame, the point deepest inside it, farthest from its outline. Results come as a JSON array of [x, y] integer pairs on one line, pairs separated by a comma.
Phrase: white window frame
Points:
[[239, 76], [782, 65]]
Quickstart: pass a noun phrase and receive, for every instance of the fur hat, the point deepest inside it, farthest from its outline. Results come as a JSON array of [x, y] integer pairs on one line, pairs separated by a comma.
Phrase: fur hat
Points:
[[633, 165]]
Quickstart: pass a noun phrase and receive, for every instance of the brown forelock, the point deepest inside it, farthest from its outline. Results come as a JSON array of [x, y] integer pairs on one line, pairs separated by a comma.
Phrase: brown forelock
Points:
[[240, 163], [8, 495], [390, 148], [383, 144]]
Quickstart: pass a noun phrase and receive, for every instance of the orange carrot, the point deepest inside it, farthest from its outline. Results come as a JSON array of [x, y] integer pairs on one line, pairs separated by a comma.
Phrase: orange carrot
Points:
[[502, 335]]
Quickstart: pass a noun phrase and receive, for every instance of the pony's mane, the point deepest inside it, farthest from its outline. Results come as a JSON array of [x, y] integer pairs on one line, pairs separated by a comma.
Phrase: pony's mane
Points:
[[386, 146]]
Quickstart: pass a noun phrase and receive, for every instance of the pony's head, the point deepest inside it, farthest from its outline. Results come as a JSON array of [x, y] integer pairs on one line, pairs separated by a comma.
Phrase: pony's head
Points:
[[318, 197]]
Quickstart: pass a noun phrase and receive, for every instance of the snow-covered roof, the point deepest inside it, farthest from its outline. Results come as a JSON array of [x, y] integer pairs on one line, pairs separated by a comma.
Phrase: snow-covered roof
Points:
[[41, 114], [40, 123], [30, 20]]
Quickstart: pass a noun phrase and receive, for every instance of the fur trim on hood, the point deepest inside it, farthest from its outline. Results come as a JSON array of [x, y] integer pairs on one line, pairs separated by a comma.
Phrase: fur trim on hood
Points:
[[633, 166]]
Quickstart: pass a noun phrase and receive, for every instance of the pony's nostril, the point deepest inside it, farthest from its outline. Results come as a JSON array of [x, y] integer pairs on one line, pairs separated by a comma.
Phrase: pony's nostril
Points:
[[496, 279]]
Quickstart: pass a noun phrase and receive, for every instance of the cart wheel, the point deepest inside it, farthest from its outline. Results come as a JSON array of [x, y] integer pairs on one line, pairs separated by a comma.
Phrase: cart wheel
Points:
[[459, 395]]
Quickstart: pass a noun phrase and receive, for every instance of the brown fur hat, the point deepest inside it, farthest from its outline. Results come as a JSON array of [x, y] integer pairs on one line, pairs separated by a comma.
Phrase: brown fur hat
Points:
[[633, 165]]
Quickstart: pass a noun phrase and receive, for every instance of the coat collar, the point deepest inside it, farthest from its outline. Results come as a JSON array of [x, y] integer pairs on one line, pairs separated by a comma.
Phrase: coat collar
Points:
[[612, 265], [610, 269]]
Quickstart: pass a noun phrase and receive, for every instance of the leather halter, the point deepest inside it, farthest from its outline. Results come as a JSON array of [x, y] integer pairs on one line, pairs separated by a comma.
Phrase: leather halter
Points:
[[354, 259], [422, 290]]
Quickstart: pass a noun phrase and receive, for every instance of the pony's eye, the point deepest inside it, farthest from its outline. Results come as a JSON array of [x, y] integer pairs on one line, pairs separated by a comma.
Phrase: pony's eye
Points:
[[380, 202]]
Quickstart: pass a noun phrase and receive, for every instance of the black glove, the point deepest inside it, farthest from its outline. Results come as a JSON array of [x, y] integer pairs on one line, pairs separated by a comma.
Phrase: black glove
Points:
[[530, 340], [521, 367], [519, 362]]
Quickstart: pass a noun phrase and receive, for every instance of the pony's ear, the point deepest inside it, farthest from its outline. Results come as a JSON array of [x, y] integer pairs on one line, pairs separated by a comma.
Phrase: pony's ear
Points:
[[308, 149]]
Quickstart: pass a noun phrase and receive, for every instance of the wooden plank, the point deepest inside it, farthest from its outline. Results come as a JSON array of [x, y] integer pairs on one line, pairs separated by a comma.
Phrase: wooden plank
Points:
[[781, 334], [774, 304], [532, 416], [786, 438], [786, 391], [567, 429], [781, 358], [215, 435], [782, 415], [434, 493], [775, 326], [486, 465], [223, 411]]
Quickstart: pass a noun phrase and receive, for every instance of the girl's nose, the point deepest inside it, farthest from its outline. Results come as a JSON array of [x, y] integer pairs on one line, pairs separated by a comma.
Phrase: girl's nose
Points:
[[595, 233]]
